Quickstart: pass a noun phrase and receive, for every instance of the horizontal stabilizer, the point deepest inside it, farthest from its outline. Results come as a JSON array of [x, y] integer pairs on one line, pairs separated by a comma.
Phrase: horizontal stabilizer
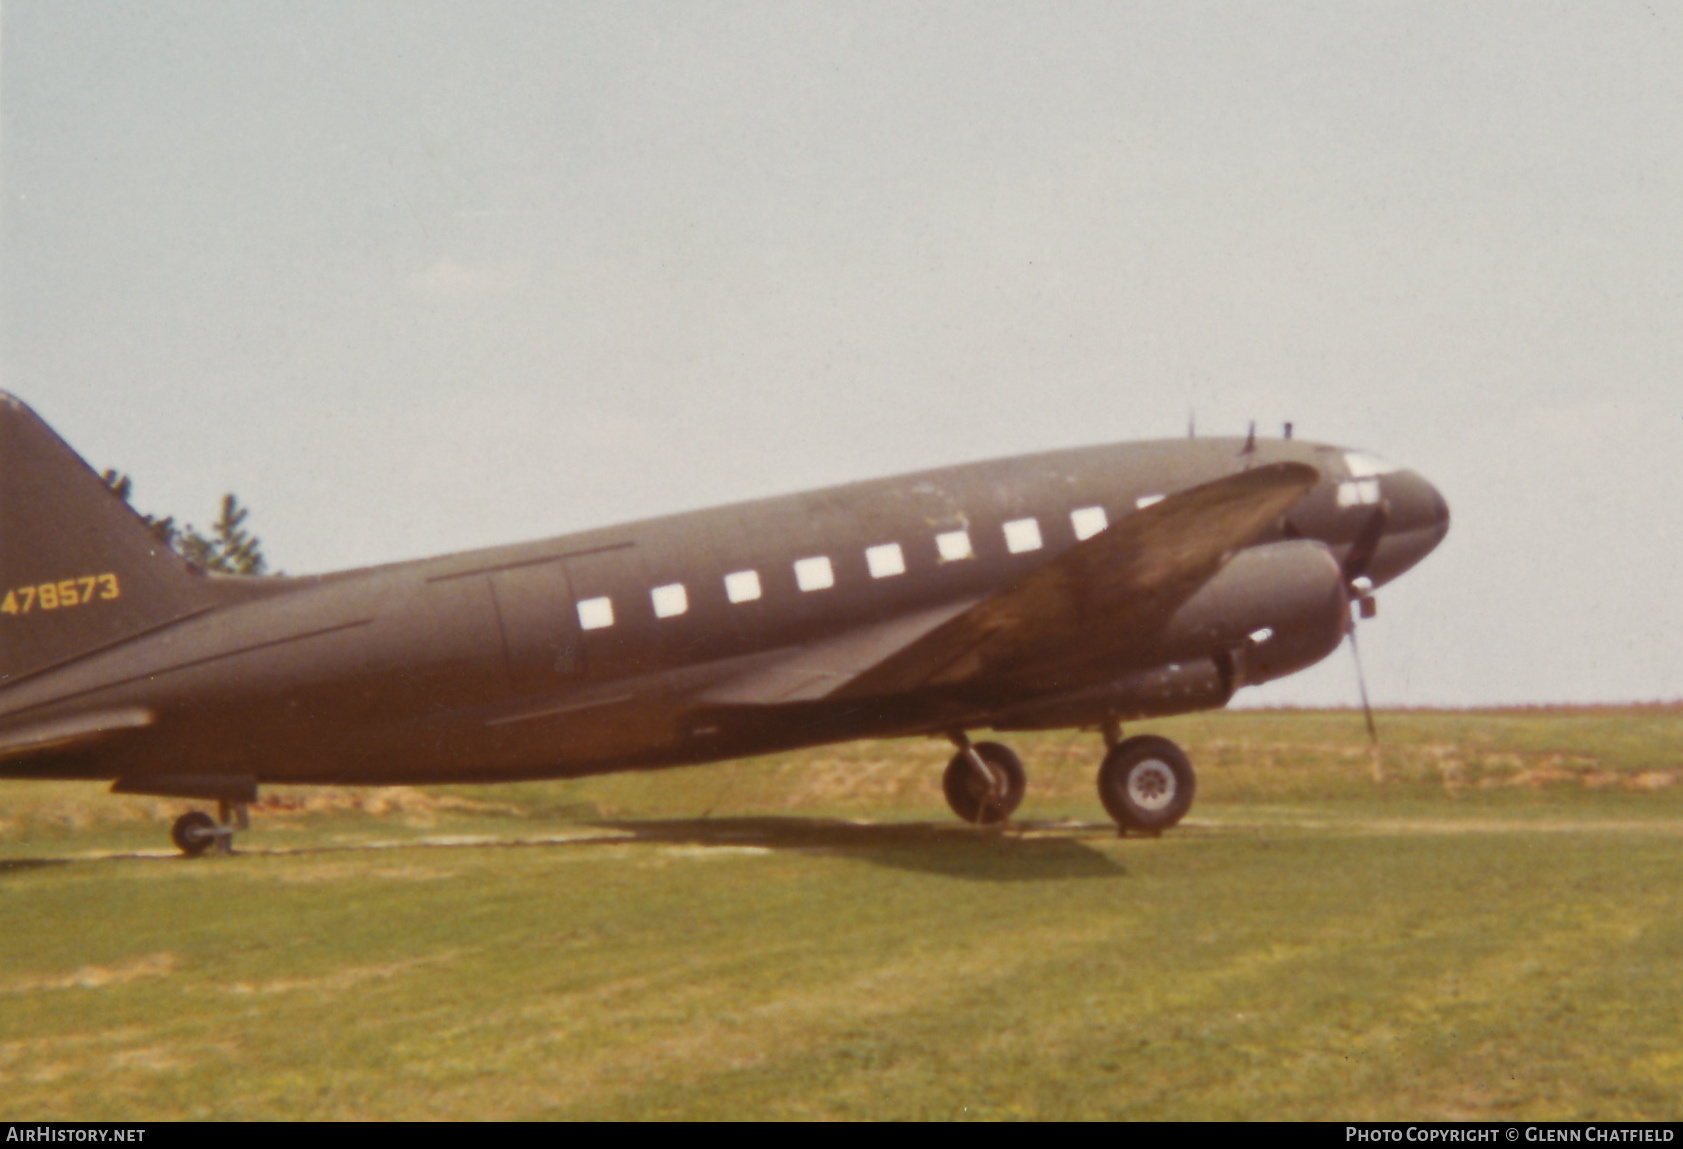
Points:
[[1115, 589], [62, 733]]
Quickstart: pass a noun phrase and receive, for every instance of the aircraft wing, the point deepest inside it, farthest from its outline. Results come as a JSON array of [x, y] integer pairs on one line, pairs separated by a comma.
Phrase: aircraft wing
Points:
[[1119, 585], [818, 670]]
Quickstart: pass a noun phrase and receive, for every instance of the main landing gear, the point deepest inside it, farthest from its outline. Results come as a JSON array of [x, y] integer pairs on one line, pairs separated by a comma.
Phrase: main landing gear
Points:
[[1146, 783], [196, 831], [984, 782]]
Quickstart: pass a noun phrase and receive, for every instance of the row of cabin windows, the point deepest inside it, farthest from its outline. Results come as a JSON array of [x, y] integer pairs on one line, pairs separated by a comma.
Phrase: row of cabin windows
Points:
[[884, 561]]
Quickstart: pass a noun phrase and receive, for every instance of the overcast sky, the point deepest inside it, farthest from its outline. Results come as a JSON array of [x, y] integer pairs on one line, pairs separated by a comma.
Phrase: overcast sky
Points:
[[419, 277]]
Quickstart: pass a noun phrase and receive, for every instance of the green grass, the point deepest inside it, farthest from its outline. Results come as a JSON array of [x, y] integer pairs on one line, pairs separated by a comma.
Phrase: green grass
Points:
[[1487, 925]]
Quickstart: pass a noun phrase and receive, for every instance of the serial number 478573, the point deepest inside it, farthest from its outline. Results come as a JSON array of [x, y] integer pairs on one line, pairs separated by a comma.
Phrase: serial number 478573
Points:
[[59, 595]]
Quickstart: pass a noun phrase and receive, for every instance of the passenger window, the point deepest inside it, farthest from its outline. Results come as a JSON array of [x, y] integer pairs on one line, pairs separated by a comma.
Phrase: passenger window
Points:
[[1088, 521], [742, 586], [885, 561], [670, 600], [596, 613], [1022, 535], [814, 573], [954, 546]]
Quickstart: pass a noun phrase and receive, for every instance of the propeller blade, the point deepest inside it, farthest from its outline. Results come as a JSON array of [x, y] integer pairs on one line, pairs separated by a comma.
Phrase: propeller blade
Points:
[[1366, 544], [1361, 685]]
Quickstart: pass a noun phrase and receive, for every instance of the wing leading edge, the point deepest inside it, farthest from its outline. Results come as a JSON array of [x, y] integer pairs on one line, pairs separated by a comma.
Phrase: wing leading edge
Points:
[[1116, 587]]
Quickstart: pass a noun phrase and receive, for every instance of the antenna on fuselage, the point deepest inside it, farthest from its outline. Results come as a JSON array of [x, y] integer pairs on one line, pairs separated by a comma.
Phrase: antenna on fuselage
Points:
[[1191, 424], [1250, 441], [1288, 431]]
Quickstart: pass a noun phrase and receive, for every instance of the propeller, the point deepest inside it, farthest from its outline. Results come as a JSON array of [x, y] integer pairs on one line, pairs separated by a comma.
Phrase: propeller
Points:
[[1361, 685], [1360, 590]]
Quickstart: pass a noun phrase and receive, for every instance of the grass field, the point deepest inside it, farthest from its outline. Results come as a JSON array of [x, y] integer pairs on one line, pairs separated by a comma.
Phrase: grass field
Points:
[[1485, 923]]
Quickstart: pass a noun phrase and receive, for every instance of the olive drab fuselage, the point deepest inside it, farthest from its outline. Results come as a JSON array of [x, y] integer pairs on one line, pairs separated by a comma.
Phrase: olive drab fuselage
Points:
[[688, 638]]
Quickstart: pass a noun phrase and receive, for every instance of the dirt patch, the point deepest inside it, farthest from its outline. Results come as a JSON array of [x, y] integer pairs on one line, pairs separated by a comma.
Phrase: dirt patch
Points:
[[849, 780], [339, 980], [386, 800], [1591, 779], [98, 976], [1533, 779], [1669, 827], [345, 871], [713, 851], [155, 1058]]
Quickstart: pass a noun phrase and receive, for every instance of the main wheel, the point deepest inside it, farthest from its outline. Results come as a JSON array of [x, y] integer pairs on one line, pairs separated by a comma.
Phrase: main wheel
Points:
[[1147, 784], [971, 796], [194, 832]]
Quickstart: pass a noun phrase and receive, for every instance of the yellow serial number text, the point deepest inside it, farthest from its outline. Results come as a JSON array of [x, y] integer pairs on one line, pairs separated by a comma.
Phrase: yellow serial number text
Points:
[[61, 595]]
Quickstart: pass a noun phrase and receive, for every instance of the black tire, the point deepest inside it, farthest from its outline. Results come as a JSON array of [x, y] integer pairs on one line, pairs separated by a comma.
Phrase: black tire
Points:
[[1147, 784], [193, 833], [971, 798]]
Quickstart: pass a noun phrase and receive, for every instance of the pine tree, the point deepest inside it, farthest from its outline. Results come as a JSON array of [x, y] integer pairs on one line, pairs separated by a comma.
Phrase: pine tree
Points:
[[228, 549]]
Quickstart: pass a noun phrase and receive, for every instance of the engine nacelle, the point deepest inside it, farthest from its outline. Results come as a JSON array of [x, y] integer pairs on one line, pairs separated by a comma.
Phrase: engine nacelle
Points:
[[1272, 611]]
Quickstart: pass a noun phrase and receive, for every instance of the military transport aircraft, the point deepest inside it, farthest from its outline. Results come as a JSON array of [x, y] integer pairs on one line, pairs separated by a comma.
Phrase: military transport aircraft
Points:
[[1075, 588]]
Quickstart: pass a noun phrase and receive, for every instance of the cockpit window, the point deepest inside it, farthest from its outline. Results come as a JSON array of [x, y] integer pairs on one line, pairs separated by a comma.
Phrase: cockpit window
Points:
[[1365, 466]]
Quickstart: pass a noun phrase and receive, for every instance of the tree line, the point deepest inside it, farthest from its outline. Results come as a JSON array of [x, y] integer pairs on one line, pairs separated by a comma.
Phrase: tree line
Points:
[[227, 547]]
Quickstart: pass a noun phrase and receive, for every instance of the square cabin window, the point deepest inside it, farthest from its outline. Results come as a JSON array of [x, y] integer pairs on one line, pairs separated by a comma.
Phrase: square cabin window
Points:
[[669, 600], [596, 613], [885, 561], [1088, 521], [953, 546], [742, 586], [814, 573], [1022, 535]]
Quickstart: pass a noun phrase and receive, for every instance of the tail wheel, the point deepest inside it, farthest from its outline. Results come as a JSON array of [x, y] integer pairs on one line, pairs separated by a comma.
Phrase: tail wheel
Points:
[[990, 800], [194, 832], [1147, 784]]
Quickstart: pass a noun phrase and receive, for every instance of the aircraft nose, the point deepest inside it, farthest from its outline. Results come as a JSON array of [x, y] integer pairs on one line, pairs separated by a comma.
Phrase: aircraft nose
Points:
[[1415, 503], [1417, 523]]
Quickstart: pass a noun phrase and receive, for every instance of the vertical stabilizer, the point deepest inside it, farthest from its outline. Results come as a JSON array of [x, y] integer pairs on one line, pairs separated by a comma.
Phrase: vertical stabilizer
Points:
[[79, 570]]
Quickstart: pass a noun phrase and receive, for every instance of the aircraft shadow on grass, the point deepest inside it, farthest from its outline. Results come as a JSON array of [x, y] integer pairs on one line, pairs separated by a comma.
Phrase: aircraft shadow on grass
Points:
[[1024, 853], [953, 851], [17, 865]]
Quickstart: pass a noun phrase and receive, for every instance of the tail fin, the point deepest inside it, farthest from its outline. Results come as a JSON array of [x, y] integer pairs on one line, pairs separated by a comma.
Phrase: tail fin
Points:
[[79, 570]]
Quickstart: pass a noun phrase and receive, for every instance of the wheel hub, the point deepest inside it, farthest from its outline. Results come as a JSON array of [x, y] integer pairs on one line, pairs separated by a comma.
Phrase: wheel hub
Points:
[[1151, 785]]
